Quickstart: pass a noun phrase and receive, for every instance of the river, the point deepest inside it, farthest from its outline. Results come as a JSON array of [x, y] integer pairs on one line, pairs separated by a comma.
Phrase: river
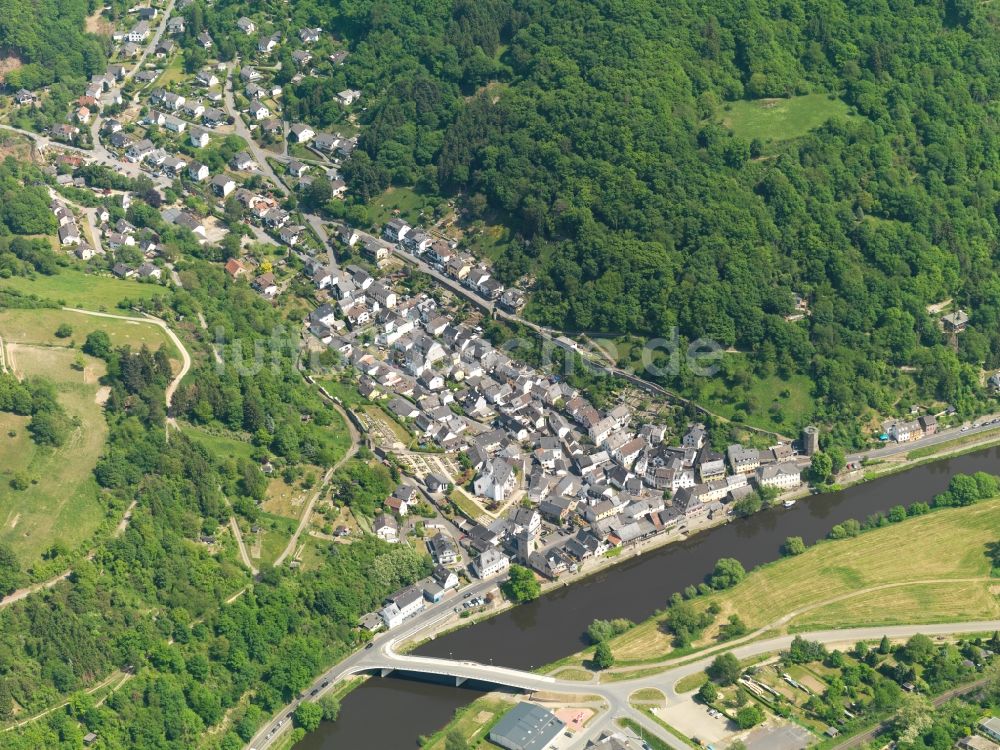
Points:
[[389, 714]]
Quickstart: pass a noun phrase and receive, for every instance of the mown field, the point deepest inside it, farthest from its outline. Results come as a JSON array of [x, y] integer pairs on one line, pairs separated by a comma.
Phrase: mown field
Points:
[[63, 502], [75, 288], [932, 568], [39, 326], [780, 119]]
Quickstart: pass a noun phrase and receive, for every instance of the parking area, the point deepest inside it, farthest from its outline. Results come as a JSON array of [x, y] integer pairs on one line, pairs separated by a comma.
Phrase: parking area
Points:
[[787, 737], [693, 720]]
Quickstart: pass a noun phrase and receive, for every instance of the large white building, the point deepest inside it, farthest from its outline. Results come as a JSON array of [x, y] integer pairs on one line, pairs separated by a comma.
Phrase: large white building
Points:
[[497, 480], [491, 562], [401, 605], [784, 476]]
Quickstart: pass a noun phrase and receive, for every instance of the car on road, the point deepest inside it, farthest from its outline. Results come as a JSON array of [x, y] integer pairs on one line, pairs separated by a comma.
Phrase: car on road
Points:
[[325, 683], [467, 595], [369, 646]]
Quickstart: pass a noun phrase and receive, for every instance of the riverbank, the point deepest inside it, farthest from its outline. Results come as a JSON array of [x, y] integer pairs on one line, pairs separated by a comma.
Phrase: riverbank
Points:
[[776, 596], [544, 630], [919, 570]]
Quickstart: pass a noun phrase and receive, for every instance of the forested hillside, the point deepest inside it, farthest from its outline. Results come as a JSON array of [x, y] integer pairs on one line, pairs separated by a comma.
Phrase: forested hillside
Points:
[[47, 37], [594, 128]]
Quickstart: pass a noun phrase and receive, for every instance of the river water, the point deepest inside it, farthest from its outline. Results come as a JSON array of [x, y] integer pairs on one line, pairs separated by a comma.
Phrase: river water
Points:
[[389, 714]]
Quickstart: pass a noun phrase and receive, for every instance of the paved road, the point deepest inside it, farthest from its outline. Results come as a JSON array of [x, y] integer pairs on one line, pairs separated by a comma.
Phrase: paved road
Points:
[[986, 424], [382, 657], [416, 627]]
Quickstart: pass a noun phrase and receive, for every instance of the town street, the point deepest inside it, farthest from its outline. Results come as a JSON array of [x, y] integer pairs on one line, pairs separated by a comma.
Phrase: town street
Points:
[[381, 657]]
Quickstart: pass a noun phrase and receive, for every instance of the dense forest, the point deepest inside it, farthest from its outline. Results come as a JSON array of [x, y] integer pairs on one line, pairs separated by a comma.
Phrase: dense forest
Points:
[[593, 128], [47, 38], [156, 607]]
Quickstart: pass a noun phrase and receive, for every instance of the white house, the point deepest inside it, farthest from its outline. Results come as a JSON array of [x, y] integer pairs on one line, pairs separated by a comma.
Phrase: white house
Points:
[[259, 111], [784, 476], [496, 481], [401, 605], [139, 32], [302, 133], [199, 138], [198, 171], [491, 562], [386, 528]]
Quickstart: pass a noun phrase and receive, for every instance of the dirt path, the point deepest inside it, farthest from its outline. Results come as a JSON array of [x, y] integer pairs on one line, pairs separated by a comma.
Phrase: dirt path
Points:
[[307, 513], [243, 548], [185, 357], [125, 677]]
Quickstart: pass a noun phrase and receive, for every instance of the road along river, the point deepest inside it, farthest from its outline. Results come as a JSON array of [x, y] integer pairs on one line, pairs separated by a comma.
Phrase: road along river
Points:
[[389, 714]]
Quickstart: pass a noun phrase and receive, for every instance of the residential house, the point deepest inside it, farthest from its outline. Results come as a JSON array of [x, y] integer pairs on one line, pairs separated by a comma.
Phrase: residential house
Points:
[[402, 605], [259, 111], [267, 44], [243, 162], [198, 171], [783, 476], [310, 36], [955, 322], [443, 549], [150, 271], [207, 78], [491, 562], [69, 234], [199, 138], [302, 133], [743, 460], [348, 96], [139, 32], [266, 285], [297, 168], [386, 528], [245, 25], [223, 185], [235, 268]]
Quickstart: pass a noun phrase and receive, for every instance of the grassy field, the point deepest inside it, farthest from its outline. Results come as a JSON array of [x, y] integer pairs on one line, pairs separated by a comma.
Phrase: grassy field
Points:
[[78, 289], [780, 119], [275, 533], [63, 502], [462, 501], [944, 545], [409, 202], [943, 602], [222, 446], [764, 394], [39, 326], [346, 392], [473, 722]]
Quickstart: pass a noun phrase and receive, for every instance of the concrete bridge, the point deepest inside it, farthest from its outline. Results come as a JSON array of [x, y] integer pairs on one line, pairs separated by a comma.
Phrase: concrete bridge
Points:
[[385, 663]]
